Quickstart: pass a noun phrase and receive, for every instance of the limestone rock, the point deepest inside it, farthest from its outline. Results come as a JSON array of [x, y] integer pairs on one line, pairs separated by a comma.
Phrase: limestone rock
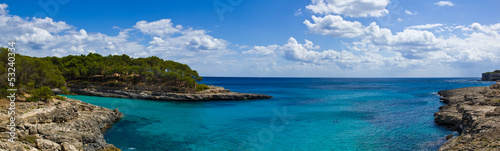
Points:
[[490, 77], [214, 93], [61, 125], [68, 147], [475, 113], [47, 144]]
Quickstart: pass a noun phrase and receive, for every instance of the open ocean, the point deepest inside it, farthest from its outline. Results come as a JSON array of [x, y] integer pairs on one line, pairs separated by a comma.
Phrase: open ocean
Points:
[[304, 114]]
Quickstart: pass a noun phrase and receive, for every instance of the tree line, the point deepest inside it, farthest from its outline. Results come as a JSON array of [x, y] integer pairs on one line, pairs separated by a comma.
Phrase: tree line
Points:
[[54, 72]]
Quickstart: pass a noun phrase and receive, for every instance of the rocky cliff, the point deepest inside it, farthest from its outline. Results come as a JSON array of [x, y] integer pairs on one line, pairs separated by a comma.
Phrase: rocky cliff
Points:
[[490, 76], [69, 125], [214, 93], [475, 113]]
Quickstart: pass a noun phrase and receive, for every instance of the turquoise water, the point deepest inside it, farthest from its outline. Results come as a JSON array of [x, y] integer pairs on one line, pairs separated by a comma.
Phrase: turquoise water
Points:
[[305, 114]]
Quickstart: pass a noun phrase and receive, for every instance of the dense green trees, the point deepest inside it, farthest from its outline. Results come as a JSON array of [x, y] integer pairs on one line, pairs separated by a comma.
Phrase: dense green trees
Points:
[[54, 72], [496, 71], [92, 65], [201, 87], [30, 73], [39, 72]]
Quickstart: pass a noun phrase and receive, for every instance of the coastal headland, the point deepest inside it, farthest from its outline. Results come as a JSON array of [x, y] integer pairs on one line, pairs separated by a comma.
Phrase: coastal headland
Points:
[[491, 76], [213, 93], [475, 113], [44, 121], [58, 124], [121, 76]]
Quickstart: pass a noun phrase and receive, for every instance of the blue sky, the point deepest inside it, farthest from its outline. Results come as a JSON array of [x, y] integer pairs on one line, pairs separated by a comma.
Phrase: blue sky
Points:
[[262, 38]]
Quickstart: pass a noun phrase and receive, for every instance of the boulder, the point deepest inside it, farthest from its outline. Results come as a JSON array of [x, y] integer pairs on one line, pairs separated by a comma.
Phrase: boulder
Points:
[[56, 91], [68, 147], [47, 144]]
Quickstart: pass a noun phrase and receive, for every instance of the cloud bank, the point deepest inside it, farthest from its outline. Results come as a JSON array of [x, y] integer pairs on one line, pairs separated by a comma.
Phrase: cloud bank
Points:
[[374, 48]]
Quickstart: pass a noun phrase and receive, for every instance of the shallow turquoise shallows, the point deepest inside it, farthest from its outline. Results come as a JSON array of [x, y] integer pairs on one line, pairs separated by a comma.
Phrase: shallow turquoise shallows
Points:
[[305, 114]]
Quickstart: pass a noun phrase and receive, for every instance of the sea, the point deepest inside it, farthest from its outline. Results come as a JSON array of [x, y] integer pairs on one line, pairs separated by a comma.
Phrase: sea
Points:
[[304, 114]]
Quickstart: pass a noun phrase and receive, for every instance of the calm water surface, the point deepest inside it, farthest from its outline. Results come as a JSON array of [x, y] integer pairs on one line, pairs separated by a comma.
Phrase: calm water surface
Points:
[[305, 114]]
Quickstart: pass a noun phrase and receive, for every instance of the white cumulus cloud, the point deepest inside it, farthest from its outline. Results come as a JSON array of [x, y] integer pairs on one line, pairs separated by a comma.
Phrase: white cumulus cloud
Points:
[[477, 27], [344, 59], [262, 50], [415, 43], [3, 9], [46, 37], [351, 8], [158, 28], [335, 26], [444, 3]]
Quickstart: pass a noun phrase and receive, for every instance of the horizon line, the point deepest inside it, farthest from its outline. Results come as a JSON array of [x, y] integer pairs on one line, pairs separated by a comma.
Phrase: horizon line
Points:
[[329, 77]]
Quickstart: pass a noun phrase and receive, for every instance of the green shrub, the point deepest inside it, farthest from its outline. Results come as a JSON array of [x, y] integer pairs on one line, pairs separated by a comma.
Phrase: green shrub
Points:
[[32, 99], [496, 71], [64, 90], [44, 93], [21, 90], [31, 85], [3, 92], [30, 138], [60, 98], [201, 87]]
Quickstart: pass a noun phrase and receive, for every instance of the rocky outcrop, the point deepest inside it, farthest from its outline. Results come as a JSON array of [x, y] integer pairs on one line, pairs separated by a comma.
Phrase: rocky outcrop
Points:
[[214, 93], [69, 125], [475, 113], [490, 77]]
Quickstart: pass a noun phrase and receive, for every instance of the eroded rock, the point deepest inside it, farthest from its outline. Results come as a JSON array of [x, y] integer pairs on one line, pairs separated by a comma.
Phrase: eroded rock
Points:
[[61, 125], [475, 113], [214, 93], [44, 144]]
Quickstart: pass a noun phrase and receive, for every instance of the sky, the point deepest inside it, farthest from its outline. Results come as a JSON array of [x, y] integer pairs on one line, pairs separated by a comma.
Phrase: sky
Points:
[[269, 38]]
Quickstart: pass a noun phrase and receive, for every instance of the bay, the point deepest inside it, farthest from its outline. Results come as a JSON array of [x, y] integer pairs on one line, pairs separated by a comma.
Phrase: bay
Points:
[[304, 114]]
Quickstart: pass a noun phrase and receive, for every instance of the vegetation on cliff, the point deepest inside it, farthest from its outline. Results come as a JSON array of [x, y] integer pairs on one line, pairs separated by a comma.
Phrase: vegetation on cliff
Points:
[[496, 71], [33, 73]]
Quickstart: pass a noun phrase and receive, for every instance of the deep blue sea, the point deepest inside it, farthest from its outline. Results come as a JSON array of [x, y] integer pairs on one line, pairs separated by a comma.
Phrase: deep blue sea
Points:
[[304, 114]]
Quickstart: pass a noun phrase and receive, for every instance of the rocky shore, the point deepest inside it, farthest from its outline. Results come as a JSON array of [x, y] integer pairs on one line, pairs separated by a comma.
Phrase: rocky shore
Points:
[[475, 113], [67, 125], [214, 93]]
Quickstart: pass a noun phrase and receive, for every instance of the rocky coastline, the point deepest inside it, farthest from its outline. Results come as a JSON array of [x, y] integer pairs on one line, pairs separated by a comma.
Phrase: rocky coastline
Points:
[[212, 94], [67, 125], [475, 113], [490, 76]]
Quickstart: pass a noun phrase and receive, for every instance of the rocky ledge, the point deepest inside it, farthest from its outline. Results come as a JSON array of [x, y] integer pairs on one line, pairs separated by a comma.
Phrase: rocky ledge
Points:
[[475, 113], [490, 76], [214, 93], [69, 125]]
